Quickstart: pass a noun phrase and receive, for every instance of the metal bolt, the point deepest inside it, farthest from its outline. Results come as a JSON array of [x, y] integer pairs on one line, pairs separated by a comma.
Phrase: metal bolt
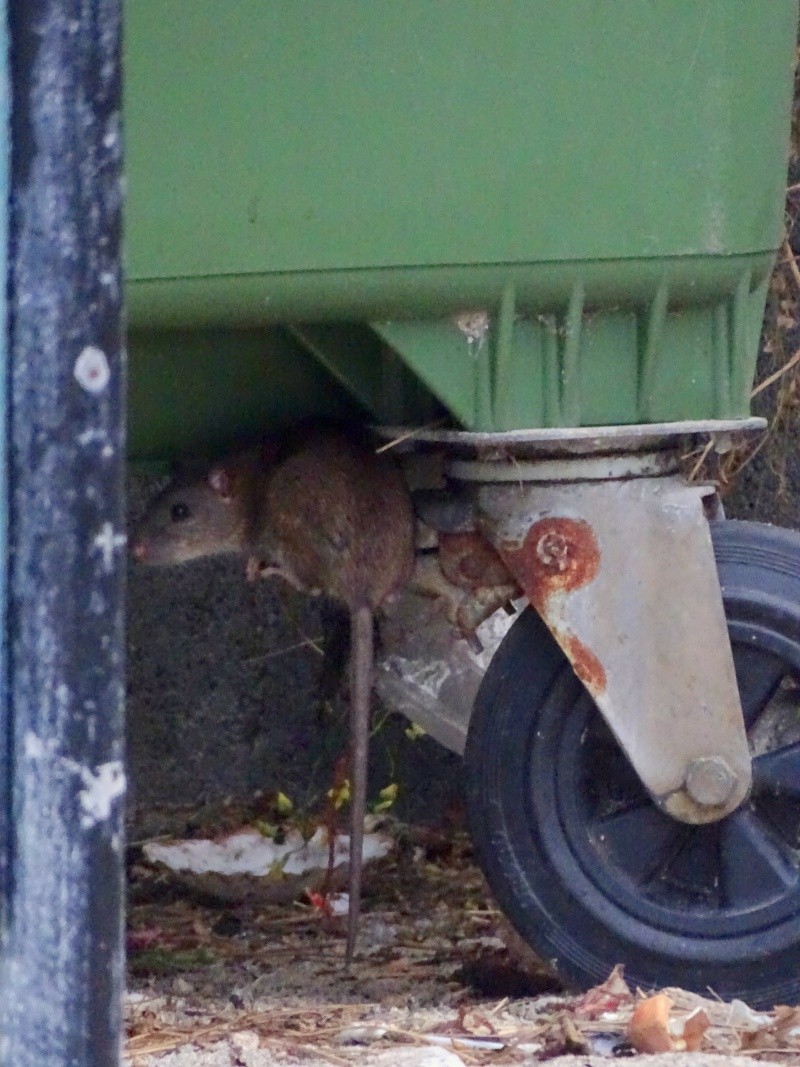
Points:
[[709, 781], [553, 552]]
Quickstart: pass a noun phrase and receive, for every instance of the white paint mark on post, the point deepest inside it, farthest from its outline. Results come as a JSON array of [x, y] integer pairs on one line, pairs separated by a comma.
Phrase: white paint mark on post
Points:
[[92, 371], [100, 790], [107, 542], [91, 436], [34, 746], [111, 136]]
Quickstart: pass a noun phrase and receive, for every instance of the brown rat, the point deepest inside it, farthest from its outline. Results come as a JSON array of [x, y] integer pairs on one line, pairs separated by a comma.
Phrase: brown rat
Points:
[[323, 511]]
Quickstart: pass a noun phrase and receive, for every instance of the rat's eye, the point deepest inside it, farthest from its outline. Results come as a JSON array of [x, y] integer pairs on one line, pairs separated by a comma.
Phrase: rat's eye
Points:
[[180, 512]]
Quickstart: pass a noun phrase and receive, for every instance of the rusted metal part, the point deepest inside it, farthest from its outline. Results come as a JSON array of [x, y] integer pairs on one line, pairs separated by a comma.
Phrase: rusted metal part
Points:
[[469, 560], [464, 560], [614, 551], [584, 662], [623, 573], [465, 607], [557, 556]]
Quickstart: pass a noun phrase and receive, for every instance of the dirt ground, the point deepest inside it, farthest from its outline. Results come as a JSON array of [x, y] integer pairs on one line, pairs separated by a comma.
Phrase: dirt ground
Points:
[[222, 977]]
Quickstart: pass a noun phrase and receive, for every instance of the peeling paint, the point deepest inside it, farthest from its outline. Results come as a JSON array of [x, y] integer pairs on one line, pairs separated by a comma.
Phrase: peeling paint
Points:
[[34, 747], [107, 542], [100, 789], [474, 325], [92, 371], [92, 435]]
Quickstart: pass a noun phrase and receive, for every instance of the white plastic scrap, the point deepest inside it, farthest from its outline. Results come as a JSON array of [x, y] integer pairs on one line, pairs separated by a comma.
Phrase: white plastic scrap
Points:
[[742, 1017], [249, 852]]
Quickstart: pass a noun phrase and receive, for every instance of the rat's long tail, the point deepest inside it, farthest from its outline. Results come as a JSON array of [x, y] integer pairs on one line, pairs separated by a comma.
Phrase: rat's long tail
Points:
[[361, 661]]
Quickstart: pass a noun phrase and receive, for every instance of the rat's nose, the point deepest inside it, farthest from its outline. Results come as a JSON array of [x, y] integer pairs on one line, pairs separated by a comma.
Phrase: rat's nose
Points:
[[139, 551]]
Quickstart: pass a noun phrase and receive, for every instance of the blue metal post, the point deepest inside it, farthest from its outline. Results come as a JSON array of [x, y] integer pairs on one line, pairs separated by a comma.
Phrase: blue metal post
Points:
[[61, 967], [5, 723]]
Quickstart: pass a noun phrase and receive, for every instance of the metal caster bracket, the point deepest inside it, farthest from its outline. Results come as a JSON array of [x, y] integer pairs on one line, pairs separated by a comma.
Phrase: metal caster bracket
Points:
[[619, 562]]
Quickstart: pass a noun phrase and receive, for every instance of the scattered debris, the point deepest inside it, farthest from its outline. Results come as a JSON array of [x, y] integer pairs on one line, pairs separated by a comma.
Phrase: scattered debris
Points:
[[440, 980]]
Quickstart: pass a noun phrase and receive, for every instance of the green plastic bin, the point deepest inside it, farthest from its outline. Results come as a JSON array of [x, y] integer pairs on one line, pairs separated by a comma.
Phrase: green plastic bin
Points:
[[530, 213]]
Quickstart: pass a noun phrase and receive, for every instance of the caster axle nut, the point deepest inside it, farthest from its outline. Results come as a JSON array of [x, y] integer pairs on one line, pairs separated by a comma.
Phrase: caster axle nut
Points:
[[709, 781]]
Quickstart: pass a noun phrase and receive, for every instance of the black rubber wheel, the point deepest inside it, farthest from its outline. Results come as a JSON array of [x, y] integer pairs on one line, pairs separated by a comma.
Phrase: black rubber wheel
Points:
[[587, 868]]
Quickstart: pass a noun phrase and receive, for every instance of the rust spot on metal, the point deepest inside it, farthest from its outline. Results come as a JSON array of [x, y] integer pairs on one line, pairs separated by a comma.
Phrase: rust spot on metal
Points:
[[585, 664], [558, 555], [469, 561]]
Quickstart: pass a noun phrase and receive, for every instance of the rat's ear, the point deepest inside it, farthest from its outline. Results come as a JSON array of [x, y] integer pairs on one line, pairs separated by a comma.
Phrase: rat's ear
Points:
[[220, 480]]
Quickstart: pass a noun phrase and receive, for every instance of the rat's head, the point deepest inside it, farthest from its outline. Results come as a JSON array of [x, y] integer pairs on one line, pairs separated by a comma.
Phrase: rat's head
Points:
[[193, 517]]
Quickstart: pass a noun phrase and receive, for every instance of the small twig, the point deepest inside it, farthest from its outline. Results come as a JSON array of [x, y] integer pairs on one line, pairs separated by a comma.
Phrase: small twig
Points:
[[311, 643], [307, 642], [296, 625], [461, 1044], [790, 259], [409, 434], [326, 1053], [703, 456], [379, 723], [499, 1006], [177, 1037], [693, 452], [767, 382]]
